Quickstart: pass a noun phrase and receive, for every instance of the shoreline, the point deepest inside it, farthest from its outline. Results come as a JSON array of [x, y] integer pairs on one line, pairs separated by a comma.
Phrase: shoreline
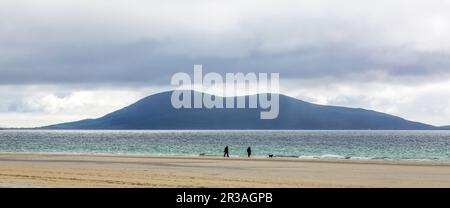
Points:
[[432, 162], [68, 170]]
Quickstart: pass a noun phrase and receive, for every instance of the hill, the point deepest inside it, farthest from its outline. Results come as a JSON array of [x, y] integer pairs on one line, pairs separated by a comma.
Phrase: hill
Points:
[[156, 112]]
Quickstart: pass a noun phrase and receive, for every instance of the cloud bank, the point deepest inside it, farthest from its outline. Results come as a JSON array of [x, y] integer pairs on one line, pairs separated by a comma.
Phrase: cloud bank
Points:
[[325, 46]]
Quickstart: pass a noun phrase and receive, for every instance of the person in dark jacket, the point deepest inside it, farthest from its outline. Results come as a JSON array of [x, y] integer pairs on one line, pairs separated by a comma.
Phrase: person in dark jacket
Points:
[[225, 152], [249, 151]]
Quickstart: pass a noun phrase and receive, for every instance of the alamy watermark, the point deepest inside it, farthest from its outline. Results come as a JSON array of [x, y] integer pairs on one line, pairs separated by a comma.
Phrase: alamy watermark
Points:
[[265, 88]]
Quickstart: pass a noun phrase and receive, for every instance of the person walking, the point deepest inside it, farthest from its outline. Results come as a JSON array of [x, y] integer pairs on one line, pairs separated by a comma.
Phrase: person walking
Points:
[[225, 152], [249, 151]]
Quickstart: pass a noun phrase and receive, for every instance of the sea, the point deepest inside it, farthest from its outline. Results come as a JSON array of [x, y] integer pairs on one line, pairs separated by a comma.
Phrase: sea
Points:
[[352, 145]]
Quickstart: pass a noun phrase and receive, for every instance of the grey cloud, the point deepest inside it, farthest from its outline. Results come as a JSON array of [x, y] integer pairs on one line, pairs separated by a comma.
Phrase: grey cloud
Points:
[[142, 64], [146, 42]]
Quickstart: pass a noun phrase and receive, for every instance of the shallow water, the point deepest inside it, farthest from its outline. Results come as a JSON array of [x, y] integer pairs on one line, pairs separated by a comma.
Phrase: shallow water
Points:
[[395, 145]]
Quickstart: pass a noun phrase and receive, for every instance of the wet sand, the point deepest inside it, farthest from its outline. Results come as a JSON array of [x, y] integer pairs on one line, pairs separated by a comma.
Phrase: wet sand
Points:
[[59, 170]]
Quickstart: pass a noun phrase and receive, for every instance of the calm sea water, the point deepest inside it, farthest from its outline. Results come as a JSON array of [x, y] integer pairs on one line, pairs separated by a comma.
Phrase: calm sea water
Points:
[[413, 145]]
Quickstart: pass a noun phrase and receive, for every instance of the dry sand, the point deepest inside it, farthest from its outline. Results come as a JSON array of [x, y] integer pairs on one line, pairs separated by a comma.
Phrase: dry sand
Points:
[[58, 170]]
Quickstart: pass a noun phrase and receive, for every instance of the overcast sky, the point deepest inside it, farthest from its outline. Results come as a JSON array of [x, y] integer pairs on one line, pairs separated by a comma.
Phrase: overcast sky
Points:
[[72, 59]]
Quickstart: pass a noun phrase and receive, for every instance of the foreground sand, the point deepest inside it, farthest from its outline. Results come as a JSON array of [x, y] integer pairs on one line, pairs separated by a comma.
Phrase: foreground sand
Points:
[[51, 170]]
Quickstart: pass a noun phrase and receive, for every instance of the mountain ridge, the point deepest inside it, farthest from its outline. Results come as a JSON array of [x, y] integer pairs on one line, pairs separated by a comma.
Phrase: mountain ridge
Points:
[[156, 112]]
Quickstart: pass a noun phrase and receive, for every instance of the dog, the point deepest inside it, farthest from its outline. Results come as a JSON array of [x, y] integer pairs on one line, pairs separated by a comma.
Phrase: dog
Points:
[[271, 155]]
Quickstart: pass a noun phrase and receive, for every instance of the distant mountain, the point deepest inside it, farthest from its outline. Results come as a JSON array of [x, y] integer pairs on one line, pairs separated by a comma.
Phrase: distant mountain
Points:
[[156, 112], [444, 127]]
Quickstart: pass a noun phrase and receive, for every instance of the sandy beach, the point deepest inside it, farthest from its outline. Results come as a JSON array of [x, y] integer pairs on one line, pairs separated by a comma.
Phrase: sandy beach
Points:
[[59, 170]]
